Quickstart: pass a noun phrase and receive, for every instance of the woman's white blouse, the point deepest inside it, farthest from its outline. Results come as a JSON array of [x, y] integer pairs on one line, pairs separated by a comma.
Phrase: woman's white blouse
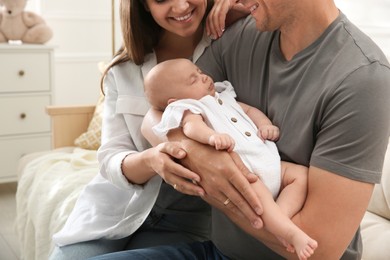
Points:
[[109, 206]]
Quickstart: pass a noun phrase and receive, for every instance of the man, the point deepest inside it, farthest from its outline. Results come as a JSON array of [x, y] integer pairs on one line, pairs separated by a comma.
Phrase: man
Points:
[[320, 80], [326, 85]]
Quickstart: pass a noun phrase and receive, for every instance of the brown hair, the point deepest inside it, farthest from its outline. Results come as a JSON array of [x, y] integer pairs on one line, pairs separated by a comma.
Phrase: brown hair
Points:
[[140, 33]]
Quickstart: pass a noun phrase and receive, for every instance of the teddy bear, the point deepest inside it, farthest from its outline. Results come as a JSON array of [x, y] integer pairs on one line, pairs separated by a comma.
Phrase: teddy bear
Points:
[[19, 25]]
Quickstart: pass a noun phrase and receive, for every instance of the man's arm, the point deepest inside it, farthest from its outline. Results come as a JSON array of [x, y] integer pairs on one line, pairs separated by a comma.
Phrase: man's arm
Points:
[[331, 214], [223, 173], [223, 176]]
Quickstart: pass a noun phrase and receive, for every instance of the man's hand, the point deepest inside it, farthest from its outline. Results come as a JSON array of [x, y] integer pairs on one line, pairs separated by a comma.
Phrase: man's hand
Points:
[[223, 176]]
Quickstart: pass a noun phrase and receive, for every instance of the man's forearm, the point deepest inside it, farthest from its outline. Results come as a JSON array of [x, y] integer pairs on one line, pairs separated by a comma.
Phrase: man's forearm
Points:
[[223, 176]]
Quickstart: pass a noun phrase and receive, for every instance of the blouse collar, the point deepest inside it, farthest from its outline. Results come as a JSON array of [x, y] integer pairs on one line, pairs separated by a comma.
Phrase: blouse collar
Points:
[[151, 58]]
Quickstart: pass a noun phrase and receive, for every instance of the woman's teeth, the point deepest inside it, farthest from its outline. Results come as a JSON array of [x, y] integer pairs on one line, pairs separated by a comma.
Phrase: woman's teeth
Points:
[[183, 17]]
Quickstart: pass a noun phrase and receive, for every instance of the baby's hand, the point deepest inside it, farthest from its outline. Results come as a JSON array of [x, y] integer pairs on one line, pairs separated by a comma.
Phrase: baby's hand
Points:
[[222, 142], [268, 132]]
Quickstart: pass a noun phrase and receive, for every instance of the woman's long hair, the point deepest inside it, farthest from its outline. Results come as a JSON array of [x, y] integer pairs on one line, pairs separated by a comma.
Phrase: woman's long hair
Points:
[[140, 33]]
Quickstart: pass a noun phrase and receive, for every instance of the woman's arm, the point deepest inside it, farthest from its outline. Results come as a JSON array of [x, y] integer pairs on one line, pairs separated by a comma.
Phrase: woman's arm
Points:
[[120, 161]]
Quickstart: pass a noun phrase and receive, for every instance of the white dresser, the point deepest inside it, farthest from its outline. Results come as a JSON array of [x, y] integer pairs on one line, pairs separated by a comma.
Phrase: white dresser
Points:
[[26, 87]]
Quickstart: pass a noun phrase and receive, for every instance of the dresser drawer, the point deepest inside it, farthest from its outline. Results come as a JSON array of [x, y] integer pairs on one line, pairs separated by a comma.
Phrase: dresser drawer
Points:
[[25, 72], [13, 148], [24, 114]]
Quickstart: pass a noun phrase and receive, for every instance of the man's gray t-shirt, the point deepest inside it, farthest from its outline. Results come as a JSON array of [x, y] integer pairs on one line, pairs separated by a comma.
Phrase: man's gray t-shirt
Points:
[[331, 103]]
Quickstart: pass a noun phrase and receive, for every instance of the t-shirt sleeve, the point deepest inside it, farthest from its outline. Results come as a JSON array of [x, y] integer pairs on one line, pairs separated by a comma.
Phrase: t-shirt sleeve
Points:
[[356, 117]]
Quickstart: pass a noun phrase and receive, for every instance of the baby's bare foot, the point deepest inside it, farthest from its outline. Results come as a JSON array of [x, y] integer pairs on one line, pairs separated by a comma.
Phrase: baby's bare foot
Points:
[[307, 249]]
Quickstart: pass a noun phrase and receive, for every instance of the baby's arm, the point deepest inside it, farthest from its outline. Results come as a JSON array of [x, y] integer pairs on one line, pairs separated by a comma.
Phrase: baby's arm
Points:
[[195, 128], [267, 131]]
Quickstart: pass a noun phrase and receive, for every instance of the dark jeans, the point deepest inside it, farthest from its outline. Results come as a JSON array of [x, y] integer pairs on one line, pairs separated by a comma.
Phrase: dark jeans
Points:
[[158, 229], [184, 251]]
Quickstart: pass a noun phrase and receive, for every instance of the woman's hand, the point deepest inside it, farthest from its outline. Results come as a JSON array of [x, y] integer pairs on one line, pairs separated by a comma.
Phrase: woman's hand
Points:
[[162, 161], [222, 14]]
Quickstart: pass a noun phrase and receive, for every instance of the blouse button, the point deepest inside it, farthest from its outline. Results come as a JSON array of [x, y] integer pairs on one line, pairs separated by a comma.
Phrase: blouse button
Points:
[[247, 133], [220, 101], [234, 120]]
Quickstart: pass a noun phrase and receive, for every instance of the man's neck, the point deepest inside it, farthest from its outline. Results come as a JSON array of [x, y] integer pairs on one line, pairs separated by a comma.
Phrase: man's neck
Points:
[[306, 28]]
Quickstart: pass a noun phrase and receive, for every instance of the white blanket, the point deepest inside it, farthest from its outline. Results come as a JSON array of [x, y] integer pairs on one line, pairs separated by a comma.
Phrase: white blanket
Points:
[[48, 188]]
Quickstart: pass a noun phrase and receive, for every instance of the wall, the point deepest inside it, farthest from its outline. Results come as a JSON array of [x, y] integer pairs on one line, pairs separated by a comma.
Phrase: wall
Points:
[[372, 17], [82, 38]]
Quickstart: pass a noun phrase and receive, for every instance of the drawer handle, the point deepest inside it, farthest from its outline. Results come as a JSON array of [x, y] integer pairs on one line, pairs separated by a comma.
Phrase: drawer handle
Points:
[[23, 116], [21, 73]]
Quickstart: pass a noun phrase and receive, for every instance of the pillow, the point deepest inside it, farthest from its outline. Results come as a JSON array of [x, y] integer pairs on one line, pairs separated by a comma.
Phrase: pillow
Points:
[[380, 199], [91, 139]]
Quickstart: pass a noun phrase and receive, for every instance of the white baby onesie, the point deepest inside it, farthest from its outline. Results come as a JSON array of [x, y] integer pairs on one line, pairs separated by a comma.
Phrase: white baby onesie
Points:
[[223, 114]]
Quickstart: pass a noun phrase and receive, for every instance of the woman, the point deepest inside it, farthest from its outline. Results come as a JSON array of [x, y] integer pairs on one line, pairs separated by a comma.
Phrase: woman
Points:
[[127, 205]]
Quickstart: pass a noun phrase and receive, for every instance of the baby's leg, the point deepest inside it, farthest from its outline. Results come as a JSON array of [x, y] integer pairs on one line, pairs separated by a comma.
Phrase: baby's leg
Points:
[[276, 222], [294, 188]]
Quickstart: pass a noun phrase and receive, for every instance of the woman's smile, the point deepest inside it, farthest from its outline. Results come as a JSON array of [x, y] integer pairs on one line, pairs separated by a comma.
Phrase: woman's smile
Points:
[[184, 18]]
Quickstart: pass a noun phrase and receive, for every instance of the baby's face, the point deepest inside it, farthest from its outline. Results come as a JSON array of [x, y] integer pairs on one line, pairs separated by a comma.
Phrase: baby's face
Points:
[[192, 82]]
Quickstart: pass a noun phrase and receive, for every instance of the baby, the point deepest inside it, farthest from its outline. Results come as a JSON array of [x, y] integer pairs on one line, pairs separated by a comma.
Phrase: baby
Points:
[[209, 113]]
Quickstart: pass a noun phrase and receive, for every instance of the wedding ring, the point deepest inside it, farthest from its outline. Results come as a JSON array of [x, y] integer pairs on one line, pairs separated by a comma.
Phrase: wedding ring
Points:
[[227, 201], [175, 186]]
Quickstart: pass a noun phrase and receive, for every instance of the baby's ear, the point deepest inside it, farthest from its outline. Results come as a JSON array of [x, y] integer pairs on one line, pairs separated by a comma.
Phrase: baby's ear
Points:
[[171, 100]]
